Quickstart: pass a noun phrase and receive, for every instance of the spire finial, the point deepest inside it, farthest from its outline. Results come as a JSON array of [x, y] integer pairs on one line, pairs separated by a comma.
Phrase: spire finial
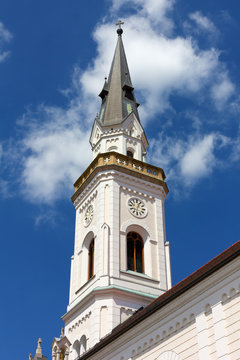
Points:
[[119, 30], [39, 349], [62, 332]]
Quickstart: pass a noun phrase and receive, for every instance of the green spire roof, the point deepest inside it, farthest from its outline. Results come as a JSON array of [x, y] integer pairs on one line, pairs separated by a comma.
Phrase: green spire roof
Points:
[[118, 100]]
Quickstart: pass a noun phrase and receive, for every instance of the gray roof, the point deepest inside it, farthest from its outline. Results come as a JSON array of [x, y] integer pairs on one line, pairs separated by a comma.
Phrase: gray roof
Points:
[[39, 358], [118, 99]]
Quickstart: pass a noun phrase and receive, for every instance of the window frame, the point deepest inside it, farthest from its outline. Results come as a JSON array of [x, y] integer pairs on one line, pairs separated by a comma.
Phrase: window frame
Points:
[[138, 238], [91, 260]]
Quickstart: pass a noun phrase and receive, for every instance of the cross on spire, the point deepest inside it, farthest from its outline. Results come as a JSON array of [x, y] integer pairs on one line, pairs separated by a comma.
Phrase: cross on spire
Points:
[[119, 23]]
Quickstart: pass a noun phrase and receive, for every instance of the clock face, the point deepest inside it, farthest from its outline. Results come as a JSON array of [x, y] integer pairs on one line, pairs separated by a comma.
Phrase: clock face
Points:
[[129, 108], [88, 215], [137, 207]]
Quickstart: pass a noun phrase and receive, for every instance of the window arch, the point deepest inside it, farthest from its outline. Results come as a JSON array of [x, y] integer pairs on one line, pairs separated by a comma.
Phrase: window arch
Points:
[[91, 260], [76, 349], [83, 344], [135, 253]]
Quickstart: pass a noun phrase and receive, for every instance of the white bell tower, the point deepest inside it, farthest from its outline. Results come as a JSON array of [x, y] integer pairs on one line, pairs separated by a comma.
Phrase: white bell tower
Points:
[[121, 257]]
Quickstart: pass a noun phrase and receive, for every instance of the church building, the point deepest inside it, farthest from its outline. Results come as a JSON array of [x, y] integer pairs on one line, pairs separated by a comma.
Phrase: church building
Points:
[[122, 304]]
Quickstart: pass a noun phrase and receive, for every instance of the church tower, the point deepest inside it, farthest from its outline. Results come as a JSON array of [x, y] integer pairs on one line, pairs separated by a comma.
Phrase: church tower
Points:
[[121, 257]]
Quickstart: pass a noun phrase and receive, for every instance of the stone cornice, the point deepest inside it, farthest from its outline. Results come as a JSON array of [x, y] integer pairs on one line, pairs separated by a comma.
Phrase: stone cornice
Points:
[[104, 291], [124, 164]]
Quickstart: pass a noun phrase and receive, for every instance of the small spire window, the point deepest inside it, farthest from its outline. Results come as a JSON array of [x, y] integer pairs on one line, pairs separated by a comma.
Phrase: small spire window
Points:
[[91, 260], [135, 253], [130, 153], [129, 95]]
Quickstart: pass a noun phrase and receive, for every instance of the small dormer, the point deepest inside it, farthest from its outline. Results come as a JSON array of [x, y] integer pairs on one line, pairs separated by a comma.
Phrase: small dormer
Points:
[[61, 348]]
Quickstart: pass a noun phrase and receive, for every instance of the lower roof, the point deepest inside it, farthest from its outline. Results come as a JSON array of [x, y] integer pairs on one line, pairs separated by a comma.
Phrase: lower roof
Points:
[[203, 272]]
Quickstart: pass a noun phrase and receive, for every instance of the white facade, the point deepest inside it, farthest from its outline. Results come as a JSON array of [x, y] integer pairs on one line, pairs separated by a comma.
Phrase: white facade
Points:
[[99, 304], [203, 323]]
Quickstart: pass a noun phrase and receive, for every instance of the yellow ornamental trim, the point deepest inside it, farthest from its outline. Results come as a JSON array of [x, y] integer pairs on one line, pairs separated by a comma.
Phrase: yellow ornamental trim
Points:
[[126, 163]]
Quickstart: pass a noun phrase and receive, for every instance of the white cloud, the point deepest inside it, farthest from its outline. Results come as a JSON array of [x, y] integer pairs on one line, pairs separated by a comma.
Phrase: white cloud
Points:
[[222, 90], [188, 160], [55, 153], [235, 155], [5, 37], [4, 186], [199, 160], [203, 22], [54, 147], [156, 11], [178, 65], [48, 215]]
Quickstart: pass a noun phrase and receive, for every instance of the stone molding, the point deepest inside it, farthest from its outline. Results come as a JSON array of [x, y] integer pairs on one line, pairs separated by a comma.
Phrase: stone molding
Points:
[[79, 322], [88, 201], [129, 165], [110, 174], [137, 193], [137, 222]]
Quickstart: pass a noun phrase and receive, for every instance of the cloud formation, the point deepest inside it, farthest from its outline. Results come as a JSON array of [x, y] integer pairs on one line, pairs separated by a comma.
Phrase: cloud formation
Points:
[[5, 37], [55, 153], [188, 160], [198, 161], [179, 65], [203, 22], [164, 64], [158, 12]]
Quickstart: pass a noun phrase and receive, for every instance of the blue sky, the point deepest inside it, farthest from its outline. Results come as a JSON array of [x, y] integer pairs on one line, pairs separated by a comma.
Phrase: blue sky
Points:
[[184, 62]]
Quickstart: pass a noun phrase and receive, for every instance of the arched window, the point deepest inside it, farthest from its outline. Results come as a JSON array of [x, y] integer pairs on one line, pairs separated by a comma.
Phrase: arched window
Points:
[[76, 349], [135, 255], [83, 344], [91, 259], [130, 153]]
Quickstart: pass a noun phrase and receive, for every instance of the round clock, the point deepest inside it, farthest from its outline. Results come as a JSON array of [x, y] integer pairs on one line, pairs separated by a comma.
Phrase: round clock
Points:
[[137, 207], [88, 215]]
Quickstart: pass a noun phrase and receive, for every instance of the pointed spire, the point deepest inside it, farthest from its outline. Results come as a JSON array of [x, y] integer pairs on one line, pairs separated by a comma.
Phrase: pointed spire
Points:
[[39, 349], [118, 99]]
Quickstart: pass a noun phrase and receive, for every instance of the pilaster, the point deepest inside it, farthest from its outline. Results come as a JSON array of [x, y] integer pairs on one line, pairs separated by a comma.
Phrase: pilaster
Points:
[[220, 332], [202, 336], [160, 226], [114, 229]]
